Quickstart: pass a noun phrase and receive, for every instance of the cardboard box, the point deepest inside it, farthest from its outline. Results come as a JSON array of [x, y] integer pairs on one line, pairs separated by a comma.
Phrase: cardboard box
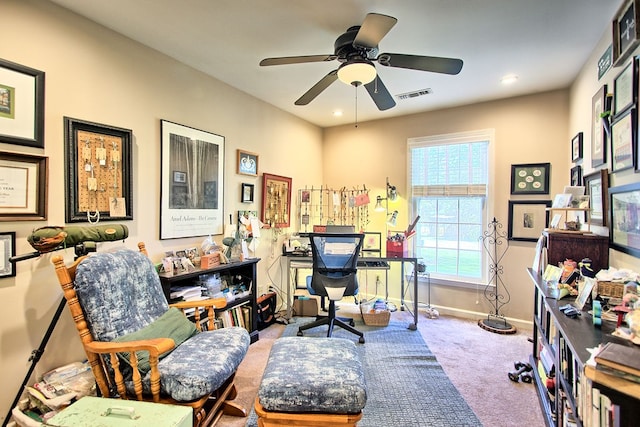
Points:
[[307, 307], [210, 260], [397, 249]]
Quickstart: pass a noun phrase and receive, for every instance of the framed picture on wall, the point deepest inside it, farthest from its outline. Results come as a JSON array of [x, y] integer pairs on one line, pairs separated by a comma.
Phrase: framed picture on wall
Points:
[[576, 176], [191, 203], [527, 219], [530, 178], [625, 87], [624, 229], [576, 147], [596, 186], [23, 178], [247, 163], [21, 105], [598, 135], [98, 172], [246, 195], [623, 141], [626, 31], [276, 201], [7, 250]]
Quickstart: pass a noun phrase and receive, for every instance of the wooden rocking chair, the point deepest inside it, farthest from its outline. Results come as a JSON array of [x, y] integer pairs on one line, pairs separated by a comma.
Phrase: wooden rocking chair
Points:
[[141, 348]]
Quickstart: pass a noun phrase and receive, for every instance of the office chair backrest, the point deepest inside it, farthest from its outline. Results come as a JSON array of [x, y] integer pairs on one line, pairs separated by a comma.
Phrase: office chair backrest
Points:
[[335, 259]]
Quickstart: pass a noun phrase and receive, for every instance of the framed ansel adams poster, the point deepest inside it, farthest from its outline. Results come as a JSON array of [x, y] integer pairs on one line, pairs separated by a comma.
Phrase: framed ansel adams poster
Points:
[[191, 182]]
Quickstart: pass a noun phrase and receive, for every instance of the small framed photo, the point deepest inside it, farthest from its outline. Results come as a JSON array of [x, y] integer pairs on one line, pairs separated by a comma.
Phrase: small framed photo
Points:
[[626, 31], [623, 141], [596, 186], [247, 163], [7, 251], [21, 105], [625, 87], [530, 178], [247, 193], [576, 147], [576, 176], [624, 234], [598, 134], [527, 219]]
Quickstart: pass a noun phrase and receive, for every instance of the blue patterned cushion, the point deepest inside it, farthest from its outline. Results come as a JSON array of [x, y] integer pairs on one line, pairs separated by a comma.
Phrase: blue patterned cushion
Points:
[[306, 374], [120, 293], [203, 363]]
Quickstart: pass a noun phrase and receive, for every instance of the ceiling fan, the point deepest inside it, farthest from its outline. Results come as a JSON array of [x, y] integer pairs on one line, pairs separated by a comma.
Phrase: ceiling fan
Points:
[[357, 49]]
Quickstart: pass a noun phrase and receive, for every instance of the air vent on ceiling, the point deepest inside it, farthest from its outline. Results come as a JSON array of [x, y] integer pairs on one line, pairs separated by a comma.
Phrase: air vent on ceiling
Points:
[[414, 94]]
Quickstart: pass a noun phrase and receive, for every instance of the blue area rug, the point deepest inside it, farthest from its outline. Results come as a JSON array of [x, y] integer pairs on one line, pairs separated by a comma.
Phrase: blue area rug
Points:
[[406, 386]]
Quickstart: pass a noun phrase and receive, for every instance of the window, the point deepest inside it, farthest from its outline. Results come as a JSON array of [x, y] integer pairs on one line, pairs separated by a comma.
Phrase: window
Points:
[[448, 177]]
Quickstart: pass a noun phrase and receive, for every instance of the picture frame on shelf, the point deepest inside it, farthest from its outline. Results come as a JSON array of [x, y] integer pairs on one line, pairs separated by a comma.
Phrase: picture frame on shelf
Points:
[[247, 193], [530, 178], [247, 163], [21, 105], [8, 245], [276, 201], [625, 31], [598, 133], [576, 147], [597, 188], [194, 207], [625, 87], [99, 178], [576, 175], [623, 140], [25, 178], [527, 219], [624, 229]]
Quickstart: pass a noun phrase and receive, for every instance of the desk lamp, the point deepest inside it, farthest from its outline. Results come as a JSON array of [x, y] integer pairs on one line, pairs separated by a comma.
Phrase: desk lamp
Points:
[[392, 194]]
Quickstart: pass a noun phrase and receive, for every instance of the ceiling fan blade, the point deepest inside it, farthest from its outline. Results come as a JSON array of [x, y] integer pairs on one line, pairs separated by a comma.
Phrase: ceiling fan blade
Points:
[[317, 89], [422, 63], [373, 29], [380, 94], [286, 60]]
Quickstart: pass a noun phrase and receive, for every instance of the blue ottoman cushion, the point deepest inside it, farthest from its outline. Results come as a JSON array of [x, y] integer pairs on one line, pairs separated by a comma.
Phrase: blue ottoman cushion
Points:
[[306, 374]]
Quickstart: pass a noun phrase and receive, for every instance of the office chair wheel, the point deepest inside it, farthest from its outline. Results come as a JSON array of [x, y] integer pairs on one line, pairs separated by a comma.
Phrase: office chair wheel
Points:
[[361, 340], [351, 322], [299, 333]]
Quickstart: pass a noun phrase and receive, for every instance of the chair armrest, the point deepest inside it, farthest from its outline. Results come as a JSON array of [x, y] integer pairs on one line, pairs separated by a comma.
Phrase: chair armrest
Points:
[[210, 305], [216, 303], [155, 347]]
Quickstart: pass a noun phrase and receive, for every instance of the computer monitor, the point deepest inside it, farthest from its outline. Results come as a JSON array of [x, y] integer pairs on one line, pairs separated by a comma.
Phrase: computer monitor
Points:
[[341, 229]]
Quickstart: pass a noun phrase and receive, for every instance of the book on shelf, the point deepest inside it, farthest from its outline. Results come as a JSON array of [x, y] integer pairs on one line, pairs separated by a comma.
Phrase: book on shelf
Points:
[[618, 373], [620, 357]]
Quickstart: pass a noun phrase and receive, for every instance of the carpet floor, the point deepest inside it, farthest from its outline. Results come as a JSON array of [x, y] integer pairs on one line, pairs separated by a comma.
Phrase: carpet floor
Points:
[[476, 361], [405, 384]]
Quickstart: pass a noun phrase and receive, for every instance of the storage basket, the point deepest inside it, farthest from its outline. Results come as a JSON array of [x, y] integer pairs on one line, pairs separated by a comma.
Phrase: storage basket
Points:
[[375, 318], [610, 289]]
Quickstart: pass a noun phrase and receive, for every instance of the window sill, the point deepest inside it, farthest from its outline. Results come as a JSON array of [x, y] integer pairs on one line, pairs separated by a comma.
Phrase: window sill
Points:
[[452, 283]]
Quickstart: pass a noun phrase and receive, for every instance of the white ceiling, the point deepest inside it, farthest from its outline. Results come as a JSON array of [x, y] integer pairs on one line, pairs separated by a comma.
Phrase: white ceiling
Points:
[[544, 42]]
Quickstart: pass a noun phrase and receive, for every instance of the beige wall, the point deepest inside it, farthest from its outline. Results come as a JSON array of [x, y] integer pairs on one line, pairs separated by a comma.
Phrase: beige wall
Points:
[[96, 75], [93, 74], [528, 129]]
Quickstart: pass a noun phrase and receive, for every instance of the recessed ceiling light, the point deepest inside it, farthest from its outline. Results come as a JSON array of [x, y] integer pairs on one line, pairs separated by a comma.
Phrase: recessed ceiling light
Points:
[[337, 113], [509, 79]]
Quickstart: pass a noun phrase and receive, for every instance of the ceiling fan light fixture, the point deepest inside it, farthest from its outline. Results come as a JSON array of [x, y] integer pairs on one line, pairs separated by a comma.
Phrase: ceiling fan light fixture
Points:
[[357, 72]]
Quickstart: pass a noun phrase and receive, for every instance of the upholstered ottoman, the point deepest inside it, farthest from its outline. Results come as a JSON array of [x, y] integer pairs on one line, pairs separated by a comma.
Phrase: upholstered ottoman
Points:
[[311, 382]]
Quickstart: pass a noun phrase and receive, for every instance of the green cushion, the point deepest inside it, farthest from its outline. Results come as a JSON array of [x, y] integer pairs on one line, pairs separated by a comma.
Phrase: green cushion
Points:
[[172, 324]]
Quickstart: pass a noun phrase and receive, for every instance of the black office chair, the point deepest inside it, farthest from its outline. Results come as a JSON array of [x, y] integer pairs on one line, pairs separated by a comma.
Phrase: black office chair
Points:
[[335, 259]]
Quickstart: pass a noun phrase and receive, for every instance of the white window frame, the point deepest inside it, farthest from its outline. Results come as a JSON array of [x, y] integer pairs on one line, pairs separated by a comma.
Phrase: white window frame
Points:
[[459, 138]]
